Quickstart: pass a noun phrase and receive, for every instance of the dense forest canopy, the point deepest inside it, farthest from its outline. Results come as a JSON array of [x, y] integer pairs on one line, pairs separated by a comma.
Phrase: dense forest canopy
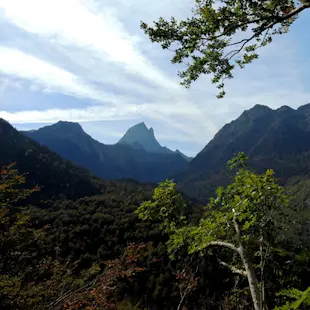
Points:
[[95, 253]]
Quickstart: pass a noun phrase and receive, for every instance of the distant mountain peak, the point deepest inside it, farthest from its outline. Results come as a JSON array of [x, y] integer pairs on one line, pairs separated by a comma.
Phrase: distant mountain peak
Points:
[[68, 125], [63, 128], [285, 107], [139, 133], [260, 107], [139, 126]]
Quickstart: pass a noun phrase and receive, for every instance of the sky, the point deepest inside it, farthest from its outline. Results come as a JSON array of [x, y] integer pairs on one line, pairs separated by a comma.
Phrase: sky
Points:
[[88, 61]]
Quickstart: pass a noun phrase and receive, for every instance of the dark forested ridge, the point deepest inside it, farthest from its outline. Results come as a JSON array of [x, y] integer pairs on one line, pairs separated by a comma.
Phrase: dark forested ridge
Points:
[[276, 139], [138, 155], [58, 178]]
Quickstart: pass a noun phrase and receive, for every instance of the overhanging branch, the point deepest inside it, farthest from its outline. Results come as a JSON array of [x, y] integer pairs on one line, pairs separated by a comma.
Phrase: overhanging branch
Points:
[[287, 16], [260, 30]]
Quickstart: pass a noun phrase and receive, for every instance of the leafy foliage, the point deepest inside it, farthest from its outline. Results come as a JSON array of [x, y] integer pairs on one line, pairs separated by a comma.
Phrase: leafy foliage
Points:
[[301, 298], [245, 218], [221, 35], [18, 243]]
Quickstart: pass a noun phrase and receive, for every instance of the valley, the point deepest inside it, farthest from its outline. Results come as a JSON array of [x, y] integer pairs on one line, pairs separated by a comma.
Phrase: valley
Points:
[[89, 193]]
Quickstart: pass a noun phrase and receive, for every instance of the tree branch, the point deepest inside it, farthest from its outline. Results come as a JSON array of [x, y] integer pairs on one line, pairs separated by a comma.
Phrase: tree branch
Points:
[[223, 245], [286, 16], [233, 268], [67, 295], [235, 52], [268, 27], [228, 30], [279, 19]]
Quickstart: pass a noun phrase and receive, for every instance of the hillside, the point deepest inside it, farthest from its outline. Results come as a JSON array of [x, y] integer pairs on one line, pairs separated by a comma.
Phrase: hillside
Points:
[[277, 139], [57, 177], [130, 158]]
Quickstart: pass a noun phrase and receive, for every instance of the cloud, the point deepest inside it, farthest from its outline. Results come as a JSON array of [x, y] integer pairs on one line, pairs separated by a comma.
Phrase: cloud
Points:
[[103, 53], [174, 116], [93, 113], [74, 22], [47, 76]]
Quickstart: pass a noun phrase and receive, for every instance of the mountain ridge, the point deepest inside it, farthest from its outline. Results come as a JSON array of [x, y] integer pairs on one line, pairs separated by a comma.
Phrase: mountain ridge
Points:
[[121, 160], [57, 177], [276, 139]]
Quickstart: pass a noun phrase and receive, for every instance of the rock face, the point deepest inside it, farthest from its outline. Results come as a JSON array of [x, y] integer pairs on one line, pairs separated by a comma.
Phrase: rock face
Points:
[[137, 155], [140, 136], [277, 139]]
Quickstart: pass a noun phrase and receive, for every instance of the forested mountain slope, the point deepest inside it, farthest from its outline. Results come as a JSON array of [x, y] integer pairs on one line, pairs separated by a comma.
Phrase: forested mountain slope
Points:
[[58, 178], [277, 139]]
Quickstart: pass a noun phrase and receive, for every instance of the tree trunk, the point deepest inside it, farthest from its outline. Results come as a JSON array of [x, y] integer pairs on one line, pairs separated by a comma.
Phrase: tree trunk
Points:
[[253, 283], [248, 266]]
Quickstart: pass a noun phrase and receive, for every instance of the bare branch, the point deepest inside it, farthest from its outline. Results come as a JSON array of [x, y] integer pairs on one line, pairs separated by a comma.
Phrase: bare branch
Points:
[[235, 52], [233, 268], [61, 298]]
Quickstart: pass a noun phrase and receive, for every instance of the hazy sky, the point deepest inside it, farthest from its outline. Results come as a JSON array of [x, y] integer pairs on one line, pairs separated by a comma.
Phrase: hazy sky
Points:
[[88, 61]]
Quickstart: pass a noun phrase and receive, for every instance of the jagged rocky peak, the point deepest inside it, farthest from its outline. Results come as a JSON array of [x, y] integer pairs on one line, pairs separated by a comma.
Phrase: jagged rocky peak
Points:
[[145, 137], [139, 134]]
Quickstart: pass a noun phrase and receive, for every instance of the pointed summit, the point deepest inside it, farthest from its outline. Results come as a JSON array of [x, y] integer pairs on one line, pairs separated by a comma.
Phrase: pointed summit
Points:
[[140, 126], [142, 135]]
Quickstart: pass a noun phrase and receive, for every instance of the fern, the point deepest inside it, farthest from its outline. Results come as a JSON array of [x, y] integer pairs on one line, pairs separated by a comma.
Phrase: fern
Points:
[[301, 298]]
